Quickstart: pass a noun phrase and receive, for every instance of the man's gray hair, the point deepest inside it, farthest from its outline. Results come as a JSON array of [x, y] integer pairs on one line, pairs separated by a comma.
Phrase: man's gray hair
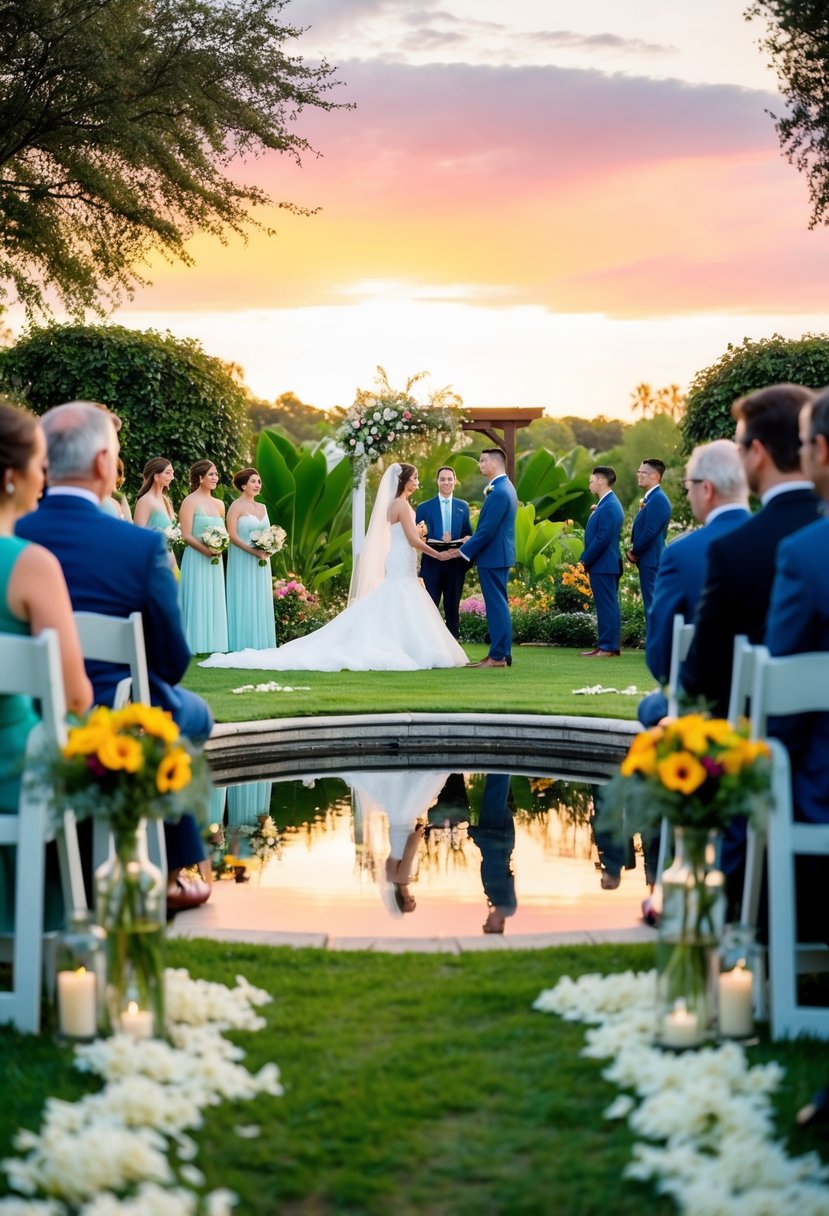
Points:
[[75, 433], [719, 462]]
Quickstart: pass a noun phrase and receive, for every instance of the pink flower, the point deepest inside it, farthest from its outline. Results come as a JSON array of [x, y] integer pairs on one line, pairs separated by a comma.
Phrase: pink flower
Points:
[[407, 415]]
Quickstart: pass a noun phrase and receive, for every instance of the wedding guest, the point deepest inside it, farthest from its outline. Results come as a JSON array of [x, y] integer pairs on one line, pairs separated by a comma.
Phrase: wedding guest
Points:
[[118, 505], [602, 560], [116, 569], [798, 623], [740, 567], [650, 526], [492, 548], [250, 613], [715, 483], [446, 519], [202, 577], [153, 506], [33, 597]]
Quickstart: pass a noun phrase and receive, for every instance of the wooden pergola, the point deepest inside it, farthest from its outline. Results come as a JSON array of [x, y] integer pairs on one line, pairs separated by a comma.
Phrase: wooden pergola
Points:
[[493, 418]]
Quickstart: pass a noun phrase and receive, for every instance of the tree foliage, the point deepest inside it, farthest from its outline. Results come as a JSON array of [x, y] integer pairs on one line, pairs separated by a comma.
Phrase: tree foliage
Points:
[[173, 399], [596, 434], [118, 123], [744, 368], [797, 42], [301, 423], [669, 400]]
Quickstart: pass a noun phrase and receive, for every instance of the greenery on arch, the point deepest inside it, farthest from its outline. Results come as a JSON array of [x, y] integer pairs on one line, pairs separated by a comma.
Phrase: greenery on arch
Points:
[[384, 420], [173, 399], [743, 369]]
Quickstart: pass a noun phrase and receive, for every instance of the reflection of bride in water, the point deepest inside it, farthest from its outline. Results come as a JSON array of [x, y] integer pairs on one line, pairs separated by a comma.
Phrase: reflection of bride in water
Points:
[[391, 623], [387, 807]]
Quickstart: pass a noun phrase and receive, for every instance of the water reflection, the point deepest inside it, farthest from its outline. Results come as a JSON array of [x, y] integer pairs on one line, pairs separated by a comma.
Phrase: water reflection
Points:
[[416, 853]]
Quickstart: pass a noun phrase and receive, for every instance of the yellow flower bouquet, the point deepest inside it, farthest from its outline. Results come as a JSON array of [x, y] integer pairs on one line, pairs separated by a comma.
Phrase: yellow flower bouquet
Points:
[[124, 767], [696, 772]]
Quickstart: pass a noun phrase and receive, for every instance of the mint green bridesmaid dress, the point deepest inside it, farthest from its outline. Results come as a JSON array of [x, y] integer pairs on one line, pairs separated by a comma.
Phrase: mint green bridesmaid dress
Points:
[[203, 595], [250, 619], [17, 717]]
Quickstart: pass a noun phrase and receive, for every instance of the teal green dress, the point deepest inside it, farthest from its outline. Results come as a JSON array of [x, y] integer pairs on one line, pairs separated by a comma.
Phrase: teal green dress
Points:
[[250, 619], [17, 717], [203, 595], [159, 521]]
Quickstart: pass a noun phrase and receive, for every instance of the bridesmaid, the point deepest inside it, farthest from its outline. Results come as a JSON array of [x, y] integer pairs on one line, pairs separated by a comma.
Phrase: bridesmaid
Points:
[[33, 597], [202, 583], [153, 508], [250, 616], [118, 505]]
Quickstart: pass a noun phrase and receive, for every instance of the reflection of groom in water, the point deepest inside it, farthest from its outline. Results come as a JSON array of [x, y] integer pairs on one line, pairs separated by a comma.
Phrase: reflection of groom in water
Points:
[[495, 837], [492, 548]]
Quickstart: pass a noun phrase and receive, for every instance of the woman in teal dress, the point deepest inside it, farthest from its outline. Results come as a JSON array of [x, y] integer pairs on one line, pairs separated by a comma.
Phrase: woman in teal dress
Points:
[[33, 597], [153, 508], [202, 579], [250, 618]]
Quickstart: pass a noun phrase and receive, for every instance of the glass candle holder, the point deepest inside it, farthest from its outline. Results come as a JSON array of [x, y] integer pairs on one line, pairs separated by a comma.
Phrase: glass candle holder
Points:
[[80, 979], [737, 983]]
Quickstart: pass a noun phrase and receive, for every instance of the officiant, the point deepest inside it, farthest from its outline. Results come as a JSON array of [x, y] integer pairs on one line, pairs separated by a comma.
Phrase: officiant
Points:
[[447, 520]]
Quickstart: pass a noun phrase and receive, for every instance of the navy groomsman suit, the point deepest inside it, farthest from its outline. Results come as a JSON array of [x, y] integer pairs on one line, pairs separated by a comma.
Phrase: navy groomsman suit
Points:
[[444, 578], [602, 560], [647, 539], [492, 548]]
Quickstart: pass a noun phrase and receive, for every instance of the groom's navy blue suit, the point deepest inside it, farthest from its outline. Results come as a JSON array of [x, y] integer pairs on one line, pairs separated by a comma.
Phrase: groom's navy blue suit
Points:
[[492, 548], [444, 578], [602, 560], [116, 568]]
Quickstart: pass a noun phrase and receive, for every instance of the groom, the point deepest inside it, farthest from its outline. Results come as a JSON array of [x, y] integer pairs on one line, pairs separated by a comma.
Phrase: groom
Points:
[[492, 547]]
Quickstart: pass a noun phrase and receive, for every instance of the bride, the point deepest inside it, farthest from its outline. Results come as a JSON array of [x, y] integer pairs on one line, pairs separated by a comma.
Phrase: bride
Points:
[[391, 623]]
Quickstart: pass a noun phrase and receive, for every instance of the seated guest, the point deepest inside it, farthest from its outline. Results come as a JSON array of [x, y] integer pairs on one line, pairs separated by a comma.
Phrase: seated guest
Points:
[[718, 495], [798, 622], [33, 597], [116, 569], [735, 595]]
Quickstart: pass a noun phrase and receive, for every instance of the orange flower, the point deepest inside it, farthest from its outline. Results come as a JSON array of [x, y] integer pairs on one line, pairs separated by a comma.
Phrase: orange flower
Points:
[[681, 771], [174, 771], [120, 752]]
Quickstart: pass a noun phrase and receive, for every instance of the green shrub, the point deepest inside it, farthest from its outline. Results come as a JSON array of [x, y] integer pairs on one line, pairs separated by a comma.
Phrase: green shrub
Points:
[[572, 629], [473, 627]]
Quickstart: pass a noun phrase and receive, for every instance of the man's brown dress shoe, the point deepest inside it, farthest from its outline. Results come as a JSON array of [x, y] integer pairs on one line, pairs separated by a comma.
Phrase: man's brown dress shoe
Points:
[[606, 654], [490, 662], [589, 654], [187, 892]]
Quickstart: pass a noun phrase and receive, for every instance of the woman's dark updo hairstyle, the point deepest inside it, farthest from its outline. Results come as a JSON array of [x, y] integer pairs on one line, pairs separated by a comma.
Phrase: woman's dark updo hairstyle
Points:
[[17, 437], [407, 471], [199, 470], [154, 466], [241, 479]]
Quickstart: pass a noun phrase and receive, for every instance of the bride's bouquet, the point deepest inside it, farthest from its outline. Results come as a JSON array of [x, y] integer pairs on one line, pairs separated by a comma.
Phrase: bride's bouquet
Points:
[[215, 538], [270, 540]]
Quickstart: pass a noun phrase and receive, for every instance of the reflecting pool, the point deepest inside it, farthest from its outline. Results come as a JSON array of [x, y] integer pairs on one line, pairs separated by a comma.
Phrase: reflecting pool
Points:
[[416, 853]]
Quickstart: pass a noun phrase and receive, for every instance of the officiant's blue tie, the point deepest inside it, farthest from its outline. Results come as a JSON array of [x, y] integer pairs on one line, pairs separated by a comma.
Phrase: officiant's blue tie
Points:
[[447, 521]]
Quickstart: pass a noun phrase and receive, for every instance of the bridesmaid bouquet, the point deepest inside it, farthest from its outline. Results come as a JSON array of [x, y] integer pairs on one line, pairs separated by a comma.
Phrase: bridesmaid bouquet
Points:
[[215, 538], [175, 537], [270, 540]]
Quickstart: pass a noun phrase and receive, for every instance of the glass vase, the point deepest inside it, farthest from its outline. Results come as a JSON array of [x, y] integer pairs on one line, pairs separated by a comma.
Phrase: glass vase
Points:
[[693, 915], [131, 905], [80, 979]]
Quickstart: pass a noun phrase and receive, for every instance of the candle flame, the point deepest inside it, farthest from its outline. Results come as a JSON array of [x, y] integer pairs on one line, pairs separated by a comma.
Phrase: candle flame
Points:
[[81, 971], [132, 1007]]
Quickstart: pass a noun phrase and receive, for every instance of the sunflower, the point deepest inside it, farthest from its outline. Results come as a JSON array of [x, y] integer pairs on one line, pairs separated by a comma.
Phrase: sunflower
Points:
[[681, 771], [174, 771], [120, 752], [152, 721]]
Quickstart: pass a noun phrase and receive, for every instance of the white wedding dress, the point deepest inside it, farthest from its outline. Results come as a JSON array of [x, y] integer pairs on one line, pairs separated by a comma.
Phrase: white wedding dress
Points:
[[396, 627]]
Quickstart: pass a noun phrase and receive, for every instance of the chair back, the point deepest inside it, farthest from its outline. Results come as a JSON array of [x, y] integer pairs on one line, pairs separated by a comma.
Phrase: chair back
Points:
[[681, 637], [32, 667], [115, 639], [742, 678], [796, 684]]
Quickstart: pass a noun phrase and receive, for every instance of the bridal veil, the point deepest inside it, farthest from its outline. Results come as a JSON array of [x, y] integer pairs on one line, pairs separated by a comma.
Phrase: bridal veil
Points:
[[370, 570]]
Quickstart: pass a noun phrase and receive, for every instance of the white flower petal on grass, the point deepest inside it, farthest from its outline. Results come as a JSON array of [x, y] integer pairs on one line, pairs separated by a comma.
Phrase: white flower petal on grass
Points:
[[620, 1108], [247, 1131]]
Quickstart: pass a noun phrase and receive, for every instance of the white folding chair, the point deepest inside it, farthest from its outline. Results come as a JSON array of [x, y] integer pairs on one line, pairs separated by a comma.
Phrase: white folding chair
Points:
[[31, 666], [742, 678], [115, 639], [782, 686]]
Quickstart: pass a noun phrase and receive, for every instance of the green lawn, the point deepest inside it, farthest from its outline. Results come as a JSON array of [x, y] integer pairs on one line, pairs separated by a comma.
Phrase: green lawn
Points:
[[541, 681], [413, 1084]]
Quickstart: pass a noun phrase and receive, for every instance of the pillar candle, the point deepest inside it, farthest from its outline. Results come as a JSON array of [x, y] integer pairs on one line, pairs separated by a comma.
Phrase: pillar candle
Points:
[[77, 1005], [137, 1022], [680, 1028], [735, 1001]]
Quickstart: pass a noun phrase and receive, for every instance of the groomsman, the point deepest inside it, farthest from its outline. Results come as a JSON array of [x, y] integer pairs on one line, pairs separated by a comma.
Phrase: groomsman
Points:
[[650, 526], [492, 548], [602, 560], [446, 518]]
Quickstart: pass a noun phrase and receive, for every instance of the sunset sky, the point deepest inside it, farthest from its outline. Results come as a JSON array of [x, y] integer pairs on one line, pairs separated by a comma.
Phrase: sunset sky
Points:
[[540, 202]]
